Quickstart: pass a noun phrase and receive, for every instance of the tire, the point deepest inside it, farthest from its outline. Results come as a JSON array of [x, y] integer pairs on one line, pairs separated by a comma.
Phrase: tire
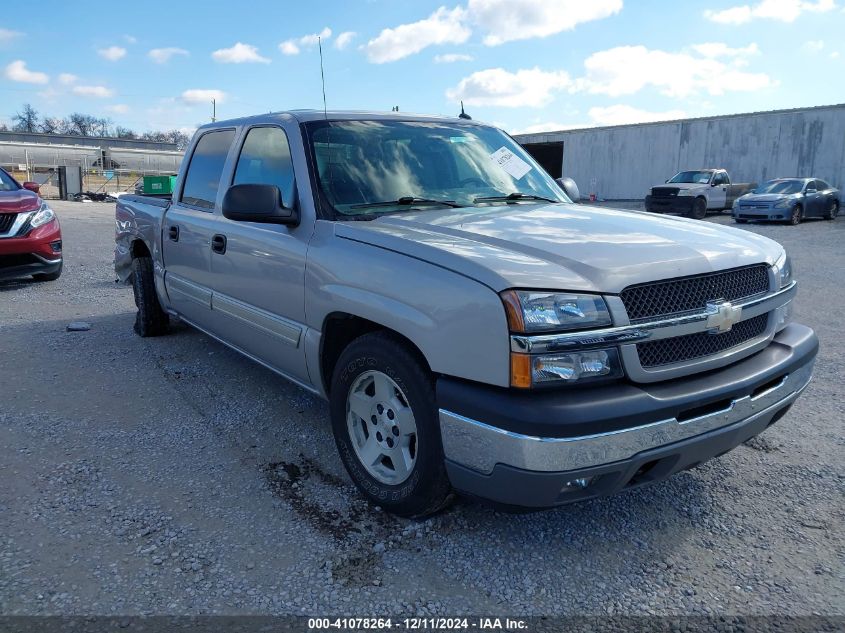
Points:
[[796, 216], [392, 450], [150, 320], [699, 209], [833, 211], [49, 276], [738, 221]]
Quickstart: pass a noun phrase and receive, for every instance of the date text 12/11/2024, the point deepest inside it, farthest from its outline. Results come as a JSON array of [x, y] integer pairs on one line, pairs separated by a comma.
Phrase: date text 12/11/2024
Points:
[[418, 624]]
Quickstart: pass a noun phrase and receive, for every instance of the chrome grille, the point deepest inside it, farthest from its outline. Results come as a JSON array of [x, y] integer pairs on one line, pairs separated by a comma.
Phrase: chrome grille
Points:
[[687, 294], [6, 221], [691, 346]]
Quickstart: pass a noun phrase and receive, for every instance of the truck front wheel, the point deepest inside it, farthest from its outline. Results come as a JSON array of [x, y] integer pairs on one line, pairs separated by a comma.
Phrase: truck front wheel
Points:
[[150, 320], [699, 208], [386, 426]]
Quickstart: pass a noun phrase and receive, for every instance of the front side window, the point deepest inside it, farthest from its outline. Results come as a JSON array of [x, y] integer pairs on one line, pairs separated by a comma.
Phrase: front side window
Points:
[[367, 168], [7, 183], [265, 160], [720, 179], [202, 179]]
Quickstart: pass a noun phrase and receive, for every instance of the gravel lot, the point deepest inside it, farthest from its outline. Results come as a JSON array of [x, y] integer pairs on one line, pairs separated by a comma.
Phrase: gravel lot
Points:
[[173, 476]]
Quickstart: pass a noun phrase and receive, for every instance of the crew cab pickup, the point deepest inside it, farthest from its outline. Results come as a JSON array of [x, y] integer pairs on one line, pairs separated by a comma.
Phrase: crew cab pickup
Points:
[[472, 328], [694, 193]]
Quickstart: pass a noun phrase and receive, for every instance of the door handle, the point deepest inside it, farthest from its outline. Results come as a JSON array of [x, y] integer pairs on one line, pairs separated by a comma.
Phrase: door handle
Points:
[[218, 244], [173, 233]]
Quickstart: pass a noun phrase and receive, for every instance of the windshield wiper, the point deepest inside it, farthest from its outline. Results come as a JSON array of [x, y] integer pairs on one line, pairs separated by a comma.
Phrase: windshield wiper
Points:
[[512, 196], [407, 201]]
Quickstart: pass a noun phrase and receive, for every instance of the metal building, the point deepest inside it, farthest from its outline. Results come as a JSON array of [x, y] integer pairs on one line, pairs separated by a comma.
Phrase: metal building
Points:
[[622, 162]]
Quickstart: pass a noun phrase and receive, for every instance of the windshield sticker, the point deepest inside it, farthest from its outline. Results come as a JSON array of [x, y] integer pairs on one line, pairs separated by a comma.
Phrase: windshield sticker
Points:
[[510, 162], [703, 181], [458, 139]]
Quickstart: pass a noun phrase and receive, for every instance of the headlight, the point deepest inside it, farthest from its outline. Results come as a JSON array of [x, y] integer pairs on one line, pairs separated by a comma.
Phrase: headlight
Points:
[[783, 270], [782, 204], [564, 368], [686, 192], [42, 216], [530, 311]]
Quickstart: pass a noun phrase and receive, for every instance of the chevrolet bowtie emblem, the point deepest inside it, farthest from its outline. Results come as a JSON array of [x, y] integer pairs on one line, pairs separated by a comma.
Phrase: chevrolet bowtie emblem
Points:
[[721, 316]]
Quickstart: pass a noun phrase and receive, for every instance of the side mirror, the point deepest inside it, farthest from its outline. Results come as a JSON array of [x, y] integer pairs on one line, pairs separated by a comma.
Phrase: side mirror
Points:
[[569, 188], [257, 203], [809, 191], [32, 186]]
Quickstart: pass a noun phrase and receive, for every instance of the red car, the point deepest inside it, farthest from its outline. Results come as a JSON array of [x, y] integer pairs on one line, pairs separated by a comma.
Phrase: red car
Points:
[[30, 236]]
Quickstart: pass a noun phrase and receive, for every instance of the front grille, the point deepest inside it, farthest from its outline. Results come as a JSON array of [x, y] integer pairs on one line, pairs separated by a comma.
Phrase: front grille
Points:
[[687, 294], [755, 206], [684, 348], [23, 259], [6, 221], [664, 192]]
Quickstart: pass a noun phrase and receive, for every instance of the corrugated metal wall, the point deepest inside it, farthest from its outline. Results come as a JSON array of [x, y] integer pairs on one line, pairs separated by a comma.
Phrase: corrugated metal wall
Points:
[[623, 162]]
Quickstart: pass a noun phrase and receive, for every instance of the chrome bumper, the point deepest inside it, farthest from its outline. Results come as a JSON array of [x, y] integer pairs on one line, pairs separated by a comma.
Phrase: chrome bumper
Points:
[[479, 446]]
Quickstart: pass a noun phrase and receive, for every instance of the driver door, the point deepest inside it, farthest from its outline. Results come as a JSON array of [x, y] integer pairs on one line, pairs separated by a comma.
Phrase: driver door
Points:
[[719, 191]]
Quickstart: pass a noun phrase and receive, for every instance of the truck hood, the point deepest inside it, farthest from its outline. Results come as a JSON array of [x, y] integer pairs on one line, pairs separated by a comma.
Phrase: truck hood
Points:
[[684, 185], [18, 201], [563, 246]]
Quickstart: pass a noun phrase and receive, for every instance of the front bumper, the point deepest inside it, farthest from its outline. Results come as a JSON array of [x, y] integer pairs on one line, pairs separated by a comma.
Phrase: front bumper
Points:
[[758, 215], [673, 204], [547, 449], [39, 252]]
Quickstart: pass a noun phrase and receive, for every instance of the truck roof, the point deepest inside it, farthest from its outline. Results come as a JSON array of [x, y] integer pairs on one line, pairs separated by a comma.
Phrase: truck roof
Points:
[[338, 115]]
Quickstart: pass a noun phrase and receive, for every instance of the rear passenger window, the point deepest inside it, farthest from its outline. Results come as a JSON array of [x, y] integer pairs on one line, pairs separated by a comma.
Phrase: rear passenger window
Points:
[[265, 160], [205, 169]]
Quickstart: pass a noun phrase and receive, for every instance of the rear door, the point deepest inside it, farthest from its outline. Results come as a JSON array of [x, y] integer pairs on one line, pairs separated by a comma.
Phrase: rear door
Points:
[[259, 278], [189, 224]]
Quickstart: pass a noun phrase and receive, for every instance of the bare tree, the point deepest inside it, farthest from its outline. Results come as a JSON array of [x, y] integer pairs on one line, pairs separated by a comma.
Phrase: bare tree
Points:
[[123, 132], [51, 125], [26, 120]]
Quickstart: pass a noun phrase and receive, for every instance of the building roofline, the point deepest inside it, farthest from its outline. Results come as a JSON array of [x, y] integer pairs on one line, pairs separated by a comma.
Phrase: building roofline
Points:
[[717, 117], [100, 140]]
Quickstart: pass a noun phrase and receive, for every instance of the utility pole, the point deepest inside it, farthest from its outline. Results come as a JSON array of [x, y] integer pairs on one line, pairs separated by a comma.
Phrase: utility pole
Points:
[[213, 110]]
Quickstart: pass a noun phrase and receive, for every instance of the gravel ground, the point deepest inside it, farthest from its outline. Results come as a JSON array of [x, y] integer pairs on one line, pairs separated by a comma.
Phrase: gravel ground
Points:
[[173, 476]]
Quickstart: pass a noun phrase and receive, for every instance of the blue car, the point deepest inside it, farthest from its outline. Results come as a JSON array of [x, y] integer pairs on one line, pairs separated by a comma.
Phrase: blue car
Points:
[[788, 200]]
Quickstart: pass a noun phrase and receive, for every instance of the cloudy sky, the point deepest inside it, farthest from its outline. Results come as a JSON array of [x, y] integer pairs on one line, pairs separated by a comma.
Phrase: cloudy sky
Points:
[[527, 65]]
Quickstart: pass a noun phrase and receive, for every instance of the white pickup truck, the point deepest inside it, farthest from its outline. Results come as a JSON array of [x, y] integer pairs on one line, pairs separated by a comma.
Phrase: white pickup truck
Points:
[[694, 193], [472, 328]]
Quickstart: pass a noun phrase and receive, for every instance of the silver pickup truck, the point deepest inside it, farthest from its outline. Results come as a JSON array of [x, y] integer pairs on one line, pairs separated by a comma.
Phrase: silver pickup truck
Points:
[[472, 328]]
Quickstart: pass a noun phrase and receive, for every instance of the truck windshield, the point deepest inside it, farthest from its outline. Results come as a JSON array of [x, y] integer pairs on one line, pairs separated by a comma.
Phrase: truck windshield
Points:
[[781, 186], [369, 168], [698, 177]]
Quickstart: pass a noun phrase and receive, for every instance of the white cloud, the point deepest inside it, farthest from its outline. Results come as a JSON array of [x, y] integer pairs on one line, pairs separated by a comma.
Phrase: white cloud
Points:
[[814, 46], [451, 58], [100, 92], [17, 71], [628, 69], [239, 54], [199, 95], [295, 45], [112, 53], [620, 114], [720, 49], [344, 39], [531, 88], [834, 55], [67, 79], [7, 36], [444, 26], [163, 55], [508, 20], [780, 10], [131, 39], [118, 108]]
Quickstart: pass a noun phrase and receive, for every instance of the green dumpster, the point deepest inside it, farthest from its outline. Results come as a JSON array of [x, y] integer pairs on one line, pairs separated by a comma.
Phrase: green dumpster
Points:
[[159, 184]]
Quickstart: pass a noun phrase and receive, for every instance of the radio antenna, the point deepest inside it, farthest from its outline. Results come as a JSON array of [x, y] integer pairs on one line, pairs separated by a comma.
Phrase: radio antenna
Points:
[[322, 77]]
